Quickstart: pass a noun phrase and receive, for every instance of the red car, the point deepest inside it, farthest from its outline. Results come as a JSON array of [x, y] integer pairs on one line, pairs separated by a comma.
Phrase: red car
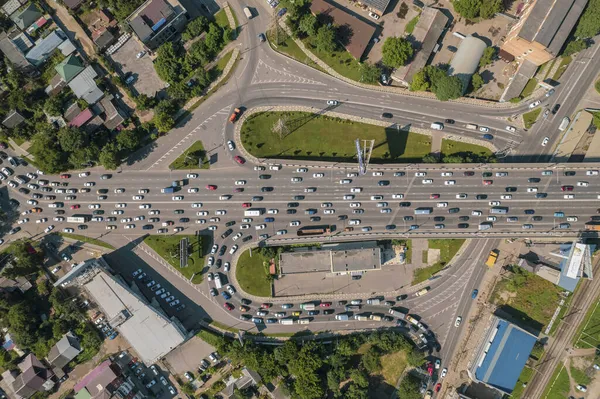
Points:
[[325, 304], [170, 223], [228, 306], [239, 160], [75, 206], [211, 187], [434, 196], [468, 173], [238, 190], [246, 205], [3, 145], [430, 369], [567, 188], [488, 182], [265, 305], [65, 176], [438, 386]]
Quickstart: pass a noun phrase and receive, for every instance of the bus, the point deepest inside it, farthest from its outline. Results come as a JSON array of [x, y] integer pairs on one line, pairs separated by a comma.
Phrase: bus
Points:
[[307, 306], [563, 125], [78, 218]]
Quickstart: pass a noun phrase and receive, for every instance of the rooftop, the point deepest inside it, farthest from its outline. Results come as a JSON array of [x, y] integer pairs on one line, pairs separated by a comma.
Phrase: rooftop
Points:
[[150, 18], [503, 355], [69, 68], [98, 380], [84, 86], [23, 19], [360, 32], [82, 118], [379, 5], [43, 48]]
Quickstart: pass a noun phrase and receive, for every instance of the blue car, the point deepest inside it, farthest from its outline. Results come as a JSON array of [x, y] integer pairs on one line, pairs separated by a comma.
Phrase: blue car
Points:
[[390, 227], [282, 12], [226, 295], [474, 294], [268, 220], [271, 321], [488, 137], [113, 335]]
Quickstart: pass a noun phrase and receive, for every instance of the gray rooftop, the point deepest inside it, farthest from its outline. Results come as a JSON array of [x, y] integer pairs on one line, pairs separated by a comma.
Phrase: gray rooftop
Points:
[[519, 80], [43, 48], [84, 86], [336, 258], [12, 52], [466, 60], [379, 5]]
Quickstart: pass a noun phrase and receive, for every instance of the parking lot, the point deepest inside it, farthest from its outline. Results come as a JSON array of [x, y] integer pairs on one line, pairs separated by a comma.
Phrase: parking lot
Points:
[[146, 81], [64, 253], [151, 380], [187, 356]]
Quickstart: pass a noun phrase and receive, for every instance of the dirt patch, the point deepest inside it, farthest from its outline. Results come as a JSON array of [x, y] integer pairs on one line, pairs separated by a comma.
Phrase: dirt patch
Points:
[[433, 256]]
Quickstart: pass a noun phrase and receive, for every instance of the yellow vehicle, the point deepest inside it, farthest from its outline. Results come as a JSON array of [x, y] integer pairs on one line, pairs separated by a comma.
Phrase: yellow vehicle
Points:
[[423, 291], [492, 258], [296, 313]]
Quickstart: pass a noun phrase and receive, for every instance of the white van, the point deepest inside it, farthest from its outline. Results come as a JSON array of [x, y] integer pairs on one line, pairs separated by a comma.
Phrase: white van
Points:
[[437, 126], [275, 167], [563, 125], [471, 126]]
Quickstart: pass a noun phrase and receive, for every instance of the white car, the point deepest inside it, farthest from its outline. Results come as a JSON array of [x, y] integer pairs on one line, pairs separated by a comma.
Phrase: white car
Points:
[[461, 196], [197, 205], [202, 213], [84, 174], [352, 174], [244, 226], [31, 175], [484, 129], [579, 183], [137, 197], [90, 184], [193, 190], [354, 222], [442, 204], [476, 213], [145, 206], [591, 173], [192, 175], [535, 104], [230, 145], [447, 174], [301, 170], [130, 226], [68, 230], [356, 189], [295, 223], [444, 373], [581, 388], [494, 203], [42, 220], [458, 321], [572, 219], [420, 174], [139, 218], [119, 212], [233, 249], [397, 196], [119, 190], [427, 181], [32, 202], [177, 198], [377, 173], [126, 220], [59, 219], [355, 205], [121, 205], [273, 211], [214, 249], [329, 211], [281, 232], [348, 197], [154, 212], [220, 212], [224, 197], [491, 218], [326, 204], [24, 220], [568, 196], [49, 229], [318, 175], [296, 179], [94, 206], [506, 197], [260, 227], [373, 15], [143, 191], [450, 182], [511, 128], [532, 189], [238, 235], [345, 181], [332, 102], [240, 182], [545, 141]]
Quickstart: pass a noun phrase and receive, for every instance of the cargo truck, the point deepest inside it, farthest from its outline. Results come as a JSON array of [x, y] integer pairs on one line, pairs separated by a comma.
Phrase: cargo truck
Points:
[[492, 258], [78, 218], [361, 317], [423, 291], [397, 314], [287, 321], [253, 212], [248, 12], [312, 231], [373, 301], [218, 284], [412, 320], [341, 317], [168, 190], [307, 306], [177, 183], [352, 307], [375, 317], [304, 320], [592, 226]]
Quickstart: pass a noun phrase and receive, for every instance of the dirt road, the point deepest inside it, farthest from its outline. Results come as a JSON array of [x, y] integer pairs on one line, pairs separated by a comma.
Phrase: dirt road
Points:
[[74, 31]]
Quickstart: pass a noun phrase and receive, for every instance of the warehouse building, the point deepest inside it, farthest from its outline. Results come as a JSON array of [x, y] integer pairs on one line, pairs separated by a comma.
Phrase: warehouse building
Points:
[[466, 60]]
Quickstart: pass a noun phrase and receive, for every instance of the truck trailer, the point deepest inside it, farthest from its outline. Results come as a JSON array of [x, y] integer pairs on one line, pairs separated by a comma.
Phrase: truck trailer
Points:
[[313, 231], [492, 258]]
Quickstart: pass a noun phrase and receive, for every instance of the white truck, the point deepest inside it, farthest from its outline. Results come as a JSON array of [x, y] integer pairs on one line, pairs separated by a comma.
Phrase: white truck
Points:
[[399, 315], [218, 283], [373, 301], [248, 12], [253, 212], [286, 321]]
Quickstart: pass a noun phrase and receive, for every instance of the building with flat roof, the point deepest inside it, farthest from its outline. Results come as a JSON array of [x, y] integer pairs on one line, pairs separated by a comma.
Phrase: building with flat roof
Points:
[[342, 258], [359, 32], [466, 60], [543, 29], [156, 21], [501, 355], [425, 36]]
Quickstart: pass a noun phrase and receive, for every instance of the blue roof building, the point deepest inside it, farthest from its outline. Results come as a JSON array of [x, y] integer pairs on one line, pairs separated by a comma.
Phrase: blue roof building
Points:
[[502, 355]]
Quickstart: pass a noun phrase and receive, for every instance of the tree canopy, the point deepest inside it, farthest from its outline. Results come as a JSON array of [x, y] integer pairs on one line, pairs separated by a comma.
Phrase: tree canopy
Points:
[[588, 25], [436, 80], [325, 39], [471, 9], [396, 51]]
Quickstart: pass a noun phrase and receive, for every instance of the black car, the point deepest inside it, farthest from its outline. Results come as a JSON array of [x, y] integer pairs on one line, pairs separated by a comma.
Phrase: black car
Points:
[[536, 218], [102, 191], [227, 233], [468, 173], [178, 211], [390, 227], [533, 180], [541, 195], [82, 227], [383, 183], [387, 115], [555, 109], [264, 177], [15, 203], [222, 250], [463, 218], [219, 262], [404, 204], [105, 177], [529, 211], [292, 204], [453, 210], [408, 218], [59, 212], [439, 219], [342, 217], [184, 220], [46, 189], [463, 225], [37, 196], [569, 173], [266, 189], [315, 219], [3, 155], [330, 311], [290, 211], [257, 198], [147, 227], [98, 212], [481, 196], [247, 238], [510, 189], [246, 301], [24, 190], [230, 223], [298, 197], [486, 174], [450, 121]]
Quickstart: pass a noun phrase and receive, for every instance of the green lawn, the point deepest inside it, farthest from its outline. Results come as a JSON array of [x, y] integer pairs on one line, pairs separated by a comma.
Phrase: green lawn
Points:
[[322, 138], [251, 274], [410, 26], [579, 376], [190, 158], [528, 298], [448, 248], [221, 18], [524, 378], [529, 88], [340, 61], [451, 147], [165, 246], [530, 117], [597, 86], [559, 384], [87, 240], [588, 334], [564, 63], [288, 46], [392, 366]]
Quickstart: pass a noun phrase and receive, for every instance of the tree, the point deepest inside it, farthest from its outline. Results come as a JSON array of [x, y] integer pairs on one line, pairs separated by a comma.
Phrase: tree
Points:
[[194, 28], [574, 46], [420, 82], [168, 63], [589, 23], [214, 38], [414, 358], [308, 24], [71, 138], [23, 322], [396, 51], [467, 8], [429, 158], [53, 106], [48, 155], [488, 56], [369, 73], [489, 8], [477, 82], [409, 388], [371, 362], [447, 87], [163, 122], [127, 139], [144, 102], [325, 39], [109, 156]]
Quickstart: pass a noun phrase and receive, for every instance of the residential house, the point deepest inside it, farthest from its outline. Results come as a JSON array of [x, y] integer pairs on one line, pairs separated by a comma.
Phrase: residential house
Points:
[[375, 6], [11, 6], [10, 285], [543, 29], [84, 86], [101, 382], [13, 52], [81, 119], [157, 21], [44, 48], [359, 32], [64, 351], [13, 119], [112, 114], [25, 18], [103, 38], [34, 377], [73, 4], [69, 68], [248, 379], [71, 112]]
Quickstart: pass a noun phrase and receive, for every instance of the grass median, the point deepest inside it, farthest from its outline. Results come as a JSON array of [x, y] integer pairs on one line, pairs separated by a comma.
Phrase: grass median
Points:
[[314, 137], [459, 148], [252, 273], [167, 247], [191, 158], [448, 248], [530, 117], [88, 240]]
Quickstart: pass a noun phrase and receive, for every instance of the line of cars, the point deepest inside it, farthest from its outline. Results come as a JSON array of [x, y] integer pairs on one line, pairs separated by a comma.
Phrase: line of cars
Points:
[[104, 327], [158, 290], [152, 379]]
